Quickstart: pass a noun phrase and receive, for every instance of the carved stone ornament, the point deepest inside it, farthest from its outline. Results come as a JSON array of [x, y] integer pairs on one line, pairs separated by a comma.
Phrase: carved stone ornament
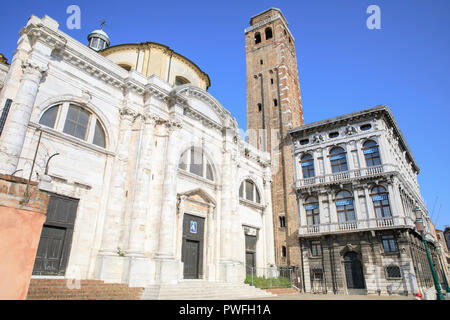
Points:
[[317, 138], [349, 130], [33, 71], [128, 114]]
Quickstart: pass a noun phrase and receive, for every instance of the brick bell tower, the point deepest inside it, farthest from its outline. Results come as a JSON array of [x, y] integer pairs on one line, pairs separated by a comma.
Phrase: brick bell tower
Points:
[[273, 107]]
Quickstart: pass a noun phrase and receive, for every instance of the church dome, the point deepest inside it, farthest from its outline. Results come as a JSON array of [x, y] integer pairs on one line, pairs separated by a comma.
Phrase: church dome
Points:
[[98, 40]]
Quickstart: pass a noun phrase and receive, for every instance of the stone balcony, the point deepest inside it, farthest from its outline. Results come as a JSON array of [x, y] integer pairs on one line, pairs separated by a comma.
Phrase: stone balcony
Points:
[[342, 177], [356, 226]]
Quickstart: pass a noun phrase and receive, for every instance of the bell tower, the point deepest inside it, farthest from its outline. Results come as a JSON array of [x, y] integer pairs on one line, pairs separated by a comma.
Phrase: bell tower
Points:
[[273, 107]]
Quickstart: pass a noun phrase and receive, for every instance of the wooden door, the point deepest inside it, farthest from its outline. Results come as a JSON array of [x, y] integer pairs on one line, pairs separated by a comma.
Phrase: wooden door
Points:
[[56, 236], [192, 246]]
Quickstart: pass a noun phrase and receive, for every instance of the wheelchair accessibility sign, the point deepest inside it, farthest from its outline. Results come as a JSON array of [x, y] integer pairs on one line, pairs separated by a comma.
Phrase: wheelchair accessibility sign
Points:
[[193, 228]]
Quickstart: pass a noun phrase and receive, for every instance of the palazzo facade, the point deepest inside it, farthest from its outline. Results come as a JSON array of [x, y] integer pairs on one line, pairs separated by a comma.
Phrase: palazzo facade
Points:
[[149, 179], [358, 200]]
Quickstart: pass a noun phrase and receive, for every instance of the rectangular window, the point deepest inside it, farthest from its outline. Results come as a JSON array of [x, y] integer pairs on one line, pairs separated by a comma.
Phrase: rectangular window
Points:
[[282, 222], [389, 244], [4, 114], [316, 249]]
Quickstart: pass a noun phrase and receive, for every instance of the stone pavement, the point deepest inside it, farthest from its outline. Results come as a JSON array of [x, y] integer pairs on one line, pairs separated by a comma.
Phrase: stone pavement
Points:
[[308, 296]]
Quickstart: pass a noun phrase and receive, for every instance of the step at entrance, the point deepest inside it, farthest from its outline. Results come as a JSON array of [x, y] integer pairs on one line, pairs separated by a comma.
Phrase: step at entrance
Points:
[[203, 290], [57, 289]]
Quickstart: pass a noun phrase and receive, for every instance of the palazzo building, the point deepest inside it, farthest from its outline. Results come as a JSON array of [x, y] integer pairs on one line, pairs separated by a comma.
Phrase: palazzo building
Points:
[[358, 199], [149, 179]]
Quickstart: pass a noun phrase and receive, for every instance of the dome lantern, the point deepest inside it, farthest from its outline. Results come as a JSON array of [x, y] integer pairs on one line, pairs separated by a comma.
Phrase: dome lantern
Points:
[[98, 39]]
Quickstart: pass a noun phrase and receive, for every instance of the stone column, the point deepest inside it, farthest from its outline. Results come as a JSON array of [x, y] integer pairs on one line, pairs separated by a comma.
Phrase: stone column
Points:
[[268, 224], [210, 243], [109, 267], [361, 158], [226, 256], [142, 193], [370, 209], [13, 136], [140, 267], [168, 268]]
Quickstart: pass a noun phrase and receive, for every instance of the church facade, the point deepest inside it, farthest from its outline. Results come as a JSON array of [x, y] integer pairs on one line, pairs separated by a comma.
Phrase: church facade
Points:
[[149, 180]]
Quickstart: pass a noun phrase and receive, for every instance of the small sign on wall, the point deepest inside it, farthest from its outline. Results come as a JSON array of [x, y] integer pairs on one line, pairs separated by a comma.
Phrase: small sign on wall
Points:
[[193, 227]]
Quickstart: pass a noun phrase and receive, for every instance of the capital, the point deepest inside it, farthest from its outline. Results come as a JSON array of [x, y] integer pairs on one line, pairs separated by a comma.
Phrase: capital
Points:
[[127, 114], [33, 71], [150, 118]]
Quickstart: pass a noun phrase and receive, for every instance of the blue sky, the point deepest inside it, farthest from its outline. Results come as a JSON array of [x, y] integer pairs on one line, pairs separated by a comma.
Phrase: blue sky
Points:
[[343, 66]]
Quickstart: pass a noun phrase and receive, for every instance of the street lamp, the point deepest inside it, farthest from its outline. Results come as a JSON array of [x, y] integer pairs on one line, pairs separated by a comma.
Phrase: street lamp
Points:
[[419, 227], [443, 272]]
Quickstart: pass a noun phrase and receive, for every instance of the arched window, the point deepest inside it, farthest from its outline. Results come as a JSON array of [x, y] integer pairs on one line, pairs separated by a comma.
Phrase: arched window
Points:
[[268, 33], [338, 159], [194, 161], [249, 191], [312, 211], [380, 201], [48, 119], [76, 121], [257, 38], [344, 206], [307, 164], [179, 80], [371, 153]]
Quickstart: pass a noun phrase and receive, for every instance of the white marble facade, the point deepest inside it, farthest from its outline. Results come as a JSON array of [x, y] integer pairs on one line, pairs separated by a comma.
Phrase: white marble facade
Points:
[[134, 184], [348, 200]]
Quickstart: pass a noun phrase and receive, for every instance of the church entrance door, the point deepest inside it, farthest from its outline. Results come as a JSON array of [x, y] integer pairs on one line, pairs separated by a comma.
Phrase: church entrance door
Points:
[[56, 236], [192, 246]]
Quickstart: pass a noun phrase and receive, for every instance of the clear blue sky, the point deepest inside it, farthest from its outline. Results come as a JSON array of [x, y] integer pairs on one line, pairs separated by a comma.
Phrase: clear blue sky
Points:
[[343, 66]]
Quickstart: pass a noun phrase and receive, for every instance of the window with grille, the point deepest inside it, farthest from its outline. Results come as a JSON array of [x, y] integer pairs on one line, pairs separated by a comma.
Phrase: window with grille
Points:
[[393, 272]]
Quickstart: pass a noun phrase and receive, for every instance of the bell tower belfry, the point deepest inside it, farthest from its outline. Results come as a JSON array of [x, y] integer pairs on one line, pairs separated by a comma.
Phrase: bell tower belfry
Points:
[[273, 107]]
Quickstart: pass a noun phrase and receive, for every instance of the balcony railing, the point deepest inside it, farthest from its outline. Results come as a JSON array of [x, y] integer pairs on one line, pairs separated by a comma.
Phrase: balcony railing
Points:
[[357, 225], [346, 175]]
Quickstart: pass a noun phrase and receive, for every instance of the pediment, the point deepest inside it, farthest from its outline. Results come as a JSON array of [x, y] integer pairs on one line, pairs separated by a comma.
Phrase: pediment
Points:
[[202, 102], [199, 195]]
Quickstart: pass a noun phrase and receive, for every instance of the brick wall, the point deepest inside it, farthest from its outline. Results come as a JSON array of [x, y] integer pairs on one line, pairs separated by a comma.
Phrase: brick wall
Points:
[[272, 75], [20, 229]]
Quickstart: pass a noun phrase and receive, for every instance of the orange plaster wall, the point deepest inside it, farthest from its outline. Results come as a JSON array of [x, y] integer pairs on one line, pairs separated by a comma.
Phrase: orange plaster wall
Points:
[[20, 231]]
